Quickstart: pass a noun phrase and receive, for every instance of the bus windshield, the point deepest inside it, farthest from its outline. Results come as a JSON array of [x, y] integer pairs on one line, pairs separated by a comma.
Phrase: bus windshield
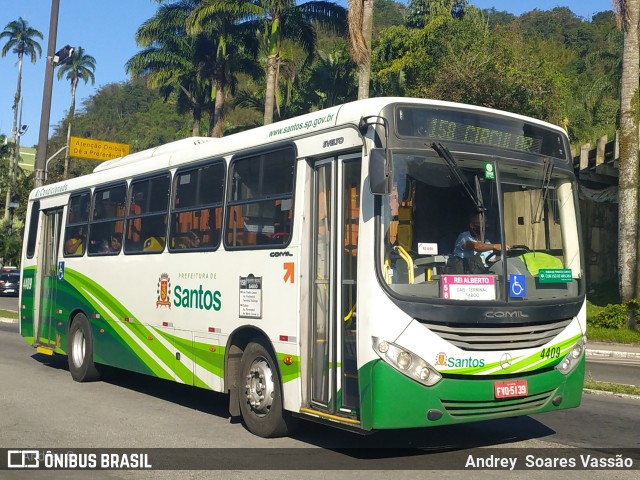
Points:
[[443, 235]]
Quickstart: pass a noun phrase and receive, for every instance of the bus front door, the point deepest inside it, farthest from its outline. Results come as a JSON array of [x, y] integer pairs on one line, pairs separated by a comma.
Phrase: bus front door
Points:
[[49, 273], [336, 213]]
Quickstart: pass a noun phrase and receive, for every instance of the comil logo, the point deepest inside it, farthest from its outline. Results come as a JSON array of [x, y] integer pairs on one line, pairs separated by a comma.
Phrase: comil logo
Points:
[[164, 291], [23, 459]]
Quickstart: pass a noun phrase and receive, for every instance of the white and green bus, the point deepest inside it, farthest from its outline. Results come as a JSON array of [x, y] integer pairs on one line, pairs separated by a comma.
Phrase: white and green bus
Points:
[[314, 268]]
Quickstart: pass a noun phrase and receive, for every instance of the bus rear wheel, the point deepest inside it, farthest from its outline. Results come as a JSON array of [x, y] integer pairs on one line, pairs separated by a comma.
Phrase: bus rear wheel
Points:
[[80, 350], [261, 394]]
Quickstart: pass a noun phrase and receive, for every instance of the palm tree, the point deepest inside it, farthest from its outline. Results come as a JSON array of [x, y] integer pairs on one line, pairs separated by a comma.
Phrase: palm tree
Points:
[[333, 77], [235, 48], [360, 28], [277, 20], [173, 61], [628, 14], [79, 67], [21, 40]]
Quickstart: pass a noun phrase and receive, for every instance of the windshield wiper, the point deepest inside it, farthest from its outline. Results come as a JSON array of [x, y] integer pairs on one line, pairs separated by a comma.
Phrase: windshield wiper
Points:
[[445, 154], [547, 170]]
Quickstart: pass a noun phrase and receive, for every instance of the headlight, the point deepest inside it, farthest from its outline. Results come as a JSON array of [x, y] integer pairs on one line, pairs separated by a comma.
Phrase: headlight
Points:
[[571, 359], [406, 362]]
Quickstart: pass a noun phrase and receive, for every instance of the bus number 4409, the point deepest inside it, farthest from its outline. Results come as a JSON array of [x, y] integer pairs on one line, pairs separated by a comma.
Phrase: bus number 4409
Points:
[[550, 352]]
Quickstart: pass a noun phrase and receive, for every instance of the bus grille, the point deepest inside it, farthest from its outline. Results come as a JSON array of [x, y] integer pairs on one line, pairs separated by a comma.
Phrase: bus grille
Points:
[[462, 409], [498, 337]]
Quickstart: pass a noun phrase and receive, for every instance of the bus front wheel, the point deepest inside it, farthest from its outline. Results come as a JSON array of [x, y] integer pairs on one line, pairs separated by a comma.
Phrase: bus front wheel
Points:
[[261, 394], [80, 350]]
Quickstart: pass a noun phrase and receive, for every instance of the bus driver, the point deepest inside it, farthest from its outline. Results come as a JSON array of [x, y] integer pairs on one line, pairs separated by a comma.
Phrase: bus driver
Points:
[[471, 242]]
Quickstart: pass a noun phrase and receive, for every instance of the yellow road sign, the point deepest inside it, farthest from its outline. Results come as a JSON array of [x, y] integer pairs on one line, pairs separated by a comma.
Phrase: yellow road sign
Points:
[[96, 149]]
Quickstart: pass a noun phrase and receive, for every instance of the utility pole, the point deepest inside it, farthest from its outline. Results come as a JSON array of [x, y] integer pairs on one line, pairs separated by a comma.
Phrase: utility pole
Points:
[[43, 138]]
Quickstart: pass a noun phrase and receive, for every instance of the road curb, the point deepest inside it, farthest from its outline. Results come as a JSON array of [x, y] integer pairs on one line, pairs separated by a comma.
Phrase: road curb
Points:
[[8, 320], [612, 354], [591, 391]]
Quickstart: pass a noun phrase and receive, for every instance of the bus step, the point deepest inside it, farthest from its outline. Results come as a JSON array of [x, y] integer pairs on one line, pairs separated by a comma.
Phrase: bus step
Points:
[[327, 416], [45, 350]]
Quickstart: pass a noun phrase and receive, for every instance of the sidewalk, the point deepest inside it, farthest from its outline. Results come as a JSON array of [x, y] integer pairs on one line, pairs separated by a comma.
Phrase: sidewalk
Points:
[[613, 350]]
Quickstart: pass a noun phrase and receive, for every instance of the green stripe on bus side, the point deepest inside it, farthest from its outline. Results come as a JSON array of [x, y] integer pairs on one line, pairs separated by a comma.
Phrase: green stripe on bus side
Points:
[[27, 299], [289, 372], [119, 330], [211, 361], [214, 361], [93, 290], [184, 346]]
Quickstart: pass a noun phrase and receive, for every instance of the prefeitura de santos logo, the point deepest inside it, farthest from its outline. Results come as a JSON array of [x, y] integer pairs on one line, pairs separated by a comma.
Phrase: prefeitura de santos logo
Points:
[[164, 291]]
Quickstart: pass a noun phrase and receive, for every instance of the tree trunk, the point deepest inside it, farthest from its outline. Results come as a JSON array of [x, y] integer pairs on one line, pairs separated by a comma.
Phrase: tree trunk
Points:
[[197, 117], [270, 94], [16, 153], [628, 183], [217, 124], [364, 69], [360, 28], [72, 110]]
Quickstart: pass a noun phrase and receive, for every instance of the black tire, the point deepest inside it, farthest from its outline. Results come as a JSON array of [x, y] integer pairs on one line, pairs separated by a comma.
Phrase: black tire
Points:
[[80, 351], [260, 391]]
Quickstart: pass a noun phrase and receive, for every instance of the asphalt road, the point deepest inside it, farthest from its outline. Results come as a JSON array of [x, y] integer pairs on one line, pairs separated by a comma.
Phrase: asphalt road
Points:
[[614, 370], [41, 407], [9, 303]]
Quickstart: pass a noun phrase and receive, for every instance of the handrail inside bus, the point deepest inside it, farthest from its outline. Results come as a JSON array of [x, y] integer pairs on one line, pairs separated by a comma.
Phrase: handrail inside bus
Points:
[[406, 257]]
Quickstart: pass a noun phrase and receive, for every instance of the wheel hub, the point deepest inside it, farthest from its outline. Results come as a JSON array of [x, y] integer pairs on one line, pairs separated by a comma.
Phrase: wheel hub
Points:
[[259, 387], [78, 348]]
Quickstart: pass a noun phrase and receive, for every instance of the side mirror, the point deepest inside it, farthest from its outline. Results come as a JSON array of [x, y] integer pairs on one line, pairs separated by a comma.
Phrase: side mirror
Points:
[[380, 171]]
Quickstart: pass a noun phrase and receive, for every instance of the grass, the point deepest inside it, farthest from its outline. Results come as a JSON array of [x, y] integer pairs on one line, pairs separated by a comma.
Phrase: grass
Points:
[[598, 298], [622, 335], [612, 387], [8, 314]]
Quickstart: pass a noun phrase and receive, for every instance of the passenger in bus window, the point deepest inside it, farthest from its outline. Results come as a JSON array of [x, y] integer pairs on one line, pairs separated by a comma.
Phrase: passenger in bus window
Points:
[[472, 241], [188, 240], [193, 238], [74, 245], [115, 243]]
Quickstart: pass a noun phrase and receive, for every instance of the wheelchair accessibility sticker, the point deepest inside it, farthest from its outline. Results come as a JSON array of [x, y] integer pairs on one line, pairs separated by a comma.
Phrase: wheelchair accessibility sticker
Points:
[[517, 286]]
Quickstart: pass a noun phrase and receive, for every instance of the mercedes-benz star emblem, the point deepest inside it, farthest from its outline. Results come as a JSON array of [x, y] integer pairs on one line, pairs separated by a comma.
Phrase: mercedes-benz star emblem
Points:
[[505, 361]]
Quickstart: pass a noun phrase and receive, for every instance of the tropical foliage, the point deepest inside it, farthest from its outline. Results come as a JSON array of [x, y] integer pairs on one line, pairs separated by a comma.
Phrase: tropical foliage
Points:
[[21, 40], [80, 66], [213, 67]]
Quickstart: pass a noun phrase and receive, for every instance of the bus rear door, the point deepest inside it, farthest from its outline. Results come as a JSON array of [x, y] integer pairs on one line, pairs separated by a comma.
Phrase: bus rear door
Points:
[[50, 272]]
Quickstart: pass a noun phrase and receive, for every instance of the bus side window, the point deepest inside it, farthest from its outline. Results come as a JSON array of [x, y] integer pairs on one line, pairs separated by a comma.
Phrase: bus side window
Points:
[[147, 214], [260, 202], [107, 218], [197, 208], [75, 233]]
